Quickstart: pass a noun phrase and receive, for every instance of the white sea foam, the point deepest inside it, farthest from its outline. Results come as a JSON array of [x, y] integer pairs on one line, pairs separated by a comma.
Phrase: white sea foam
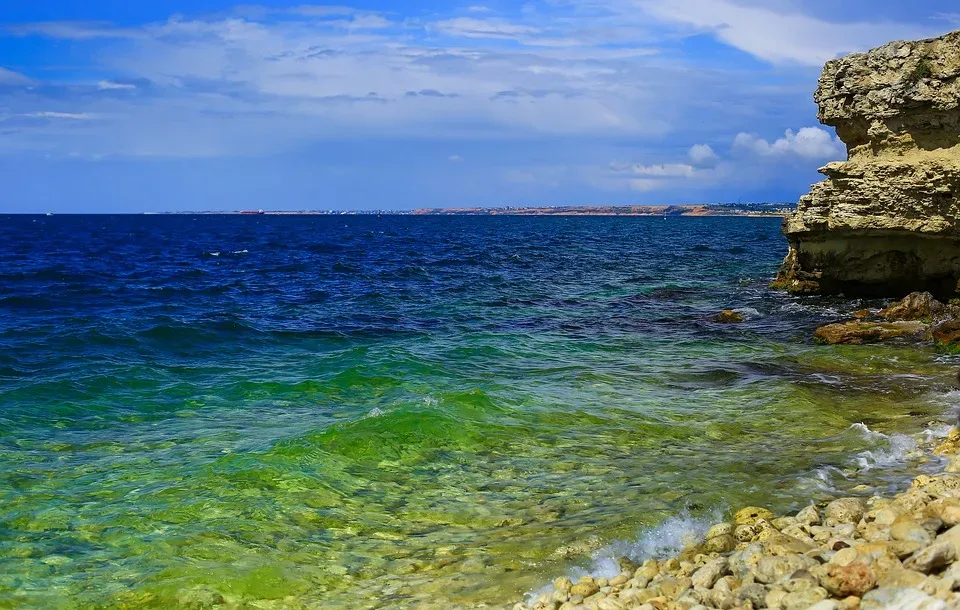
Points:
[[241, 251], [748, 312], [661, 541], [375, 412], [214, 253]]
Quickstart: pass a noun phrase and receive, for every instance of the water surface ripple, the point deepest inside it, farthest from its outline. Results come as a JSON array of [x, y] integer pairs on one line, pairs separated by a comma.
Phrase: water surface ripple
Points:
[[407, 412]]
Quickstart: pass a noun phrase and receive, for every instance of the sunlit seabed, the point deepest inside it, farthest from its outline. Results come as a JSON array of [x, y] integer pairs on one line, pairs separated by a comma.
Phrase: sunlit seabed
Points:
[[411, 412]]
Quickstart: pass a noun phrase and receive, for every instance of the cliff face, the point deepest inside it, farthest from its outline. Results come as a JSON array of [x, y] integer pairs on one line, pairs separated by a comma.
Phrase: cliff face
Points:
[[886, 222]]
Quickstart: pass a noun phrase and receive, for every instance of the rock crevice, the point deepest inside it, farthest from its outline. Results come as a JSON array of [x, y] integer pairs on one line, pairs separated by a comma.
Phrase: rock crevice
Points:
[[886, 221]]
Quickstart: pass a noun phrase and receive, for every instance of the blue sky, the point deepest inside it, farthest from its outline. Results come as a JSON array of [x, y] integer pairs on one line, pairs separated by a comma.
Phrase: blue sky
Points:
[[175, 105]]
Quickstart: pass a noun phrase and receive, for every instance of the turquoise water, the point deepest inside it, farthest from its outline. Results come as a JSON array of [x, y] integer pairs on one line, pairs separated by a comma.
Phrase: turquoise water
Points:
[[408, 412]]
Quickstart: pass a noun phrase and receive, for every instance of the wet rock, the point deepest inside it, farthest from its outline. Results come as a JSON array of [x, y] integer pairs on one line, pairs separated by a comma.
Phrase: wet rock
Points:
[[710, 573], [946, 335], [751, 514], [845, 510], [720, 529], [720, 544], [860, 332], [937, 485], [900, 599], [915, 306], [810, 516], [728, 316], [950, 446], [586, 587]]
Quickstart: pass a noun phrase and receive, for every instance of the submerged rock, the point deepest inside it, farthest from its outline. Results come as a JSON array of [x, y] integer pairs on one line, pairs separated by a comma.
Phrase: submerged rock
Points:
[[886, 220], [857, 332], [728, 316]]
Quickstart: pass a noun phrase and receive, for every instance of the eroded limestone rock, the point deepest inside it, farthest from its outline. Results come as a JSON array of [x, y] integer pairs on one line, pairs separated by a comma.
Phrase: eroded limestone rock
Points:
[[886, 221]]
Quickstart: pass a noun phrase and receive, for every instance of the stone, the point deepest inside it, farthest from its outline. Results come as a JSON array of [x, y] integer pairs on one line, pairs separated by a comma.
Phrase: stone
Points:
[[720, 544], [827, 604], [720, 529], [801, 600], [908, 530], [771, 570], [845, 510], [810, 515], [915, 306], [854, 578], [946, 510], [950, 446], [859, 332], [746, 533], [886, 220], [902, 578], [774, 598], [901, 598], [710, 573], [586, 587], [728, 316], [932, 558], [755, 593], [751, 514]]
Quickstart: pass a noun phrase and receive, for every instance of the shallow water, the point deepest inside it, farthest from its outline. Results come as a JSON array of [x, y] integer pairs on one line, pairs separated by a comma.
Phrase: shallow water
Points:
[[408, 412]]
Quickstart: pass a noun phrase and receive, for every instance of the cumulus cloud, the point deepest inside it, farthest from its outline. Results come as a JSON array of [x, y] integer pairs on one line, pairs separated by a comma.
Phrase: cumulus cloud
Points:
[[455, 159], [702, 155], [808, 143]]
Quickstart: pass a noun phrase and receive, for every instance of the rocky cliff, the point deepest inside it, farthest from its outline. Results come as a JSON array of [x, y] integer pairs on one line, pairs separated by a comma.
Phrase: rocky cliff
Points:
[[886, 221]]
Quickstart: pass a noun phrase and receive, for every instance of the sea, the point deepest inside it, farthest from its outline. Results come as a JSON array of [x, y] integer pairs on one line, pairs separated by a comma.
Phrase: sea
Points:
[[353, 412]]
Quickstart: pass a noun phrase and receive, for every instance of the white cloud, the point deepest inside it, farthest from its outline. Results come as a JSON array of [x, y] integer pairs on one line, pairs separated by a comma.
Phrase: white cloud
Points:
[[702, 155], [71, 116], [779, 36], [106, 85], [470, 27], [664, 170], [808, 143], [455, 159]]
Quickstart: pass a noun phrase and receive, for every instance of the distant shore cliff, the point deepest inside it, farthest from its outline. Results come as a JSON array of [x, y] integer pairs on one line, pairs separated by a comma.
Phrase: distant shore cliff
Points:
[[886, 222]]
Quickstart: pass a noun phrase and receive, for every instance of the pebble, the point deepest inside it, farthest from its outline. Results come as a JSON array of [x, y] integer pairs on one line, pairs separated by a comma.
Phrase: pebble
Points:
[[899, 553]]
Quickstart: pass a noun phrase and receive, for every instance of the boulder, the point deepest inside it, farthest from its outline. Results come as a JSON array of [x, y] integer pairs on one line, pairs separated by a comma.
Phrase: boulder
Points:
[[728, 316], [858, 332], [915, 306]]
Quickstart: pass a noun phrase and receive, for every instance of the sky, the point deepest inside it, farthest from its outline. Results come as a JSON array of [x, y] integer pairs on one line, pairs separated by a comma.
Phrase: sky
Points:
[[167, 105]]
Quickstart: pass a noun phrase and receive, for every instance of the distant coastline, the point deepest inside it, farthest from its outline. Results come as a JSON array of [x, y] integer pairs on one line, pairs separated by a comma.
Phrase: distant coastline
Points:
[[753, 210]]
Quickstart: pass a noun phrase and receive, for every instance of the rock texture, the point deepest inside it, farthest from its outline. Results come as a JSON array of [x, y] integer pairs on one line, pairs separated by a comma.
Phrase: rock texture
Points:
[[886, 222]]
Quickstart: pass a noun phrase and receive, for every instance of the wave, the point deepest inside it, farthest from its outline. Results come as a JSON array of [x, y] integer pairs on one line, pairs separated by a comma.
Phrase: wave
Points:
[[659, 542]]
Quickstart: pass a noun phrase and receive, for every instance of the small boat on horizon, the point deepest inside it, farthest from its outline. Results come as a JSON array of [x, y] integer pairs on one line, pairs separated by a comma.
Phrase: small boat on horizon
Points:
[[252, 212]]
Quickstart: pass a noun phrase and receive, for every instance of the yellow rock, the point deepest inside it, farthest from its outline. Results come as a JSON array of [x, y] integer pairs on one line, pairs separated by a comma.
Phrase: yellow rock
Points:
[[750, 515]]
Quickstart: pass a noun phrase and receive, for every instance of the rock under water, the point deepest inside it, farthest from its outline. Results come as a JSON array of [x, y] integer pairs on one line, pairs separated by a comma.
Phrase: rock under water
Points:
[[886, 221]]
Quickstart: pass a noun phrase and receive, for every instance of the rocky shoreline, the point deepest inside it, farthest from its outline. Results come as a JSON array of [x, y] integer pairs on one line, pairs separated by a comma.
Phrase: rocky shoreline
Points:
[[900, 552]]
